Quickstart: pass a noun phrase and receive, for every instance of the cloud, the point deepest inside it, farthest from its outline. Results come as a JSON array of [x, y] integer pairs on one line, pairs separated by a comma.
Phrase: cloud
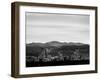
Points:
[[49, 27]]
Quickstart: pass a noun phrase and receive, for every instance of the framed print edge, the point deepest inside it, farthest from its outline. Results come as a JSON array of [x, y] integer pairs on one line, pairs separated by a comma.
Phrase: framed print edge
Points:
[[96, 39], [15, 32], [14, 40]]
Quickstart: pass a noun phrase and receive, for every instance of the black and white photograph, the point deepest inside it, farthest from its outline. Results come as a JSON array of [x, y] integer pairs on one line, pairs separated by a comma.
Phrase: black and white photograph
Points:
[[55, 39]]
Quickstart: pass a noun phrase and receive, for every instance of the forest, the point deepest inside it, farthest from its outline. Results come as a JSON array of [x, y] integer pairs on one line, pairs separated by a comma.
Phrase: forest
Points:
[[56, 53]]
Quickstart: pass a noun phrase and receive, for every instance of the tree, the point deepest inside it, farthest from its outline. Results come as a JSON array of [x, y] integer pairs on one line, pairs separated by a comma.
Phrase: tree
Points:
[[76, 55]]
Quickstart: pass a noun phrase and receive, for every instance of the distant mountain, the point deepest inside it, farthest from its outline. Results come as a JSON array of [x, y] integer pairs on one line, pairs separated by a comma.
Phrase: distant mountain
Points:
[[55, 44], [35, 44]]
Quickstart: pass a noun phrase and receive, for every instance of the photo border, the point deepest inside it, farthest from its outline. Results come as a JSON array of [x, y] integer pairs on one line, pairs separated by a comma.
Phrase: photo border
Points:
[[15, 32]]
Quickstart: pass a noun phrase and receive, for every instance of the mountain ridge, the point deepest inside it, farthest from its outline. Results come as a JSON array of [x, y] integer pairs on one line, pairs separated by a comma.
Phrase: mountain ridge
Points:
[[56, 44]]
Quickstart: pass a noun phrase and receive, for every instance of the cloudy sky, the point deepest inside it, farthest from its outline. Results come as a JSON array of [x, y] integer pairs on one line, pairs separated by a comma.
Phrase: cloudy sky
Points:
[[43, 27]]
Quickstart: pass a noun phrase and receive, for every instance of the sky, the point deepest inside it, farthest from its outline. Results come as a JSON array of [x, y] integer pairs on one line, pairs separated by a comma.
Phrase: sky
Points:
[[45, 27]]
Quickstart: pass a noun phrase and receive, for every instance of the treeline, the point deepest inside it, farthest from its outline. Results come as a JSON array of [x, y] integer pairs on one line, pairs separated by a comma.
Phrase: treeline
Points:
[[64, 50]]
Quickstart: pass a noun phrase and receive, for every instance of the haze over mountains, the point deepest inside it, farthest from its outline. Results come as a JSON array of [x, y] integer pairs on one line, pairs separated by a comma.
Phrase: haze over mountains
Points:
[[55, 44]]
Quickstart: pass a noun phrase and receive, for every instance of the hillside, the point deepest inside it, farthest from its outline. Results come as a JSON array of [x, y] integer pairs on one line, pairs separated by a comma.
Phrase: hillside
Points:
[[34, 49]]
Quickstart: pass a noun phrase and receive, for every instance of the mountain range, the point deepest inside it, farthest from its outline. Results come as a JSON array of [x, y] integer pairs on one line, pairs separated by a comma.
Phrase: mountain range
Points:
[[55, 44]]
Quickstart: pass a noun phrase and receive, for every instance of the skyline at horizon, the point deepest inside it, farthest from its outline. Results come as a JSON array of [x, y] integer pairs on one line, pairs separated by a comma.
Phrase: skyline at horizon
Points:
[[58, 42]]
